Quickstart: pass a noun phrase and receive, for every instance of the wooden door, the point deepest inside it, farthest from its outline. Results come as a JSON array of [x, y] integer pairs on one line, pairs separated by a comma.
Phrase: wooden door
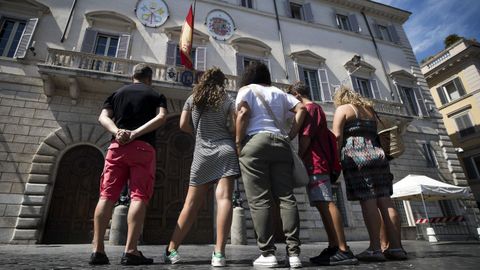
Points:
[[174, 158], [75, 196]]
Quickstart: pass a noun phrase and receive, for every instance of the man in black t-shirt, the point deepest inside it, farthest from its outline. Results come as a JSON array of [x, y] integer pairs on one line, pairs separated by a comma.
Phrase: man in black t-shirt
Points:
[[131, 114]]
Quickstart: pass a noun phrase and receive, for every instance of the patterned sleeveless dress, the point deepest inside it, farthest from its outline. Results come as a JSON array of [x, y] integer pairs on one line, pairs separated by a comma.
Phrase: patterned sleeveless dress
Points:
[[365, 168]]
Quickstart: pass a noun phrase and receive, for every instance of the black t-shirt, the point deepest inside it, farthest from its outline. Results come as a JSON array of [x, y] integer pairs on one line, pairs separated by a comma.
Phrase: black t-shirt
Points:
[[134, 105]]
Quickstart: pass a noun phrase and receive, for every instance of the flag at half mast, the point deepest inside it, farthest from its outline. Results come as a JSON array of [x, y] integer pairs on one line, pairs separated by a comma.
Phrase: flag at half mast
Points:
[[186, 39]]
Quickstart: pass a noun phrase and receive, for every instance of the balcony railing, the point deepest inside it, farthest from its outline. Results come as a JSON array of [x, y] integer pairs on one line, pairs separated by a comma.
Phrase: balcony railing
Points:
[[120, 66], [124, 67]]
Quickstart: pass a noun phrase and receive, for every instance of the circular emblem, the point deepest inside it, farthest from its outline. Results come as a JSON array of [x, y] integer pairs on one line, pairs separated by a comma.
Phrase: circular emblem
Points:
[[152, 13], [187, 78], [220, 25], [171, 74]]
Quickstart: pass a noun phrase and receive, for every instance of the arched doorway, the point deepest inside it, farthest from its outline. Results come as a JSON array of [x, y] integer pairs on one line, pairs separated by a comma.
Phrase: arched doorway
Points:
[[75, 195], [174, 158]]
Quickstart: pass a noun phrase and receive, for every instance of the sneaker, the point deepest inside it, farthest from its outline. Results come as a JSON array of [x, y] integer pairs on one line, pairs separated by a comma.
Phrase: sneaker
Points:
[[324, 255], [395, 254], [293, 261], [132, 259], [98, 258], [218, 259], [266, 261], [171, 257], [371, 256], [342, 258]]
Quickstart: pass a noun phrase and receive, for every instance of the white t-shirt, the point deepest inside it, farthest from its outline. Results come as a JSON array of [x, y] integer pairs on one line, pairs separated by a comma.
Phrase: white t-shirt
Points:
[[260, 121]]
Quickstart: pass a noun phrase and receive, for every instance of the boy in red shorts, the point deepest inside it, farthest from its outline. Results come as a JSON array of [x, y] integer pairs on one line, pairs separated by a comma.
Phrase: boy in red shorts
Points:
[[131, 114]]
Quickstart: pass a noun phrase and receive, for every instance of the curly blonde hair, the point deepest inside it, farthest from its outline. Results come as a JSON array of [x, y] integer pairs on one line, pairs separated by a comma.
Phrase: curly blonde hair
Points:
[[210, 91], [345, 95]]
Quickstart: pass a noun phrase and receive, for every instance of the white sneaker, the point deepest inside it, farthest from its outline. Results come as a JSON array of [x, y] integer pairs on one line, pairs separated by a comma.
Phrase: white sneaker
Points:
[[266, 261], [172, 258], [218, 259], [293, 261]]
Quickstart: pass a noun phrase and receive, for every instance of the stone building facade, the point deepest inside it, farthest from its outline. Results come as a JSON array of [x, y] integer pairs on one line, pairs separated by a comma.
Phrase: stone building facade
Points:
[[60, 59]]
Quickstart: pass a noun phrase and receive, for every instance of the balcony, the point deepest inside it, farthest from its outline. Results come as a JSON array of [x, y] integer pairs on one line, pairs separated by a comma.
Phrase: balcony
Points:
[[77, 70]]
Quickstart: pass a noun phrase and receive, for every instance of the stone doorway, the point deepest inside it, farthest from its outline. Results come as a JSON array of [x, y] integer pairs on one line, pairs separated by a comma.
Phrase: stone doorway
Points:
[[174, 158], [75, 195]]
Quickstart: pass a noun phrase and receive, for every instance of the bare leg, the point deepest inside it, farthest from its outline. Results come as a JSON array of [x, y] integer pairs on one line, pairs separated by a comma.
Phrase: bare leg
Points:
[[332, 220], [103, 213], [135, 218], [372, 219], [391, 220], [223, 195], [193, 203], [383, 235]]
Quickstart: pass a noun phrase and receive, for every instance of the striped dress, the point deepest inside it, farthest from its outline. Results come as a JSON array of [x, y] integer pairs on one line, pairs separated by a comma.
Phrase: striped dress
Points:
[[214, 156], [365, 168]]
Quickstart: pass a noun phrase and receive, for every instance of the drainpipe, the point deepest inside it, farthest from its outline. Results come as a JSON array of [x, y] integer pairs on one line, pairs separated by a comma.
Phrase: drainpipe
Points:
[[68, 21], [281, 38], [379, 55]]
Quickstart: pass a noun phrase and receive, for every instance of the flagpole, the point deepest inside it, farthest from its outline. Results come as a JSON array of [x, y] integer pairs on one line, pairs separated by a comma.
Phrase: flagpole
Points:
[[194, 5]]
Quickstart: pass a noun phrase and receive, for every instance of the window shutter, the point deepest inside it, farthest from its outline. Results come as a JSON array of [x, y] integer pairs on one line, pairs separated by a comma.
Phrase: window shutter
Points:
[[375, 89], [377, 31], [171, 53], [307, 12], [469, 168], [201, 58], [327, 95], [459, 86], [123, 45], [26, 38], [441, 95], [335, 19], [421, 101], [288, 11], [353, 23], [301, 74], [354, 83], [89, 40], [393, 33], [240, 67]]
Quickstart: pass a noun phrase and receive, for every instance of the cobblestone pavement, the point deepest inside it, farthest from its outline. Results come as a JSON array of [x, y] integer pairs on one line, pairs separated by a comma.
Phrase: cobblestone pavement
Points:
[[422, 255]]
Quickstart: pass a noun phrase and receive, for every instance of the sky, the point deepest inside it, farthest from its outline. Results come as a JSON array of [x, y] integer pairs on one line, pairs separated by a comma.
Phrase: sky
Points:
[[432, 20]]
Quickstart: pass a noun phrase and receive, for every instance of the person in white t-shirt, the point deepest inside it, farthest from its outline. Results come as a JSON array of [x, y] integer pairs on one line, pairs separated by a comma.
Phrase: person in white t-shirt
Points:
[[266, 161]]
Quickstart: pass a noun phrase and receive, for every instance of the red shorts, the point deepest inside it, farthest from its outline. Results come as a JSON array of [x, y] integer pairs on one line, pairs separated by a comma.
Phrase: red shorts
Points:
[[133, 163]]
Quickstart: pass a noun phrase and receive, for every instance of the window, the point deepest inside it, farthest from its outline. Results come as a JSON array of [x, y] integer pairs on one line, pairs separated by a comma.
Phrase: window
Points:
[[410, 100], [297, 11], [451, 91], [247, 3], [429, 154], [317, 81], [447, 208], [10, 34], [384, 33], [472, 166], [338, 198], [464, 124], [105, 45], [343, 22], [366, 87], [398, 204], [197, 54]]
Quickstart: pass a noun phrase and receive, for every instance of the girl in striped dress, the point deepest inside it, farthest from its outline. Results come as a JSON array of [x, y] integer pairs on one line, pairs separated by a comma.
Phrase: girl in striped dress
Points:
[[212, 113], [367, 173]]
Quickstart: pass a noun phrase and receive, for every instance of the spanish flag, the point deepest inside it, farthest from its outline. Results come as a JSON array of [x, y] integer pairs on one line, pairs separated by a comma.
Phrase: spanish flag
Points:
[[186, 39]]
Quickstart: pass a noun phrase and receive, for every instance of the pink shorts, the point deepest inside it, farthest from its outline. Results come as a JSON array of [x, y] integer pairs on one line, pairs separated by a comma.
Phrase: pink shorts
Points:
[[133, 163]]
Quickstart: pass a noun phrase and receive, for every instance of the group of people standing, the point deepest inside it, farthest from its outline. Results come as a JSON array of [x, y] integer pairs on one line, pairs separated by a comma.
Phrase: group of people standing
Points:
[[248, 137]]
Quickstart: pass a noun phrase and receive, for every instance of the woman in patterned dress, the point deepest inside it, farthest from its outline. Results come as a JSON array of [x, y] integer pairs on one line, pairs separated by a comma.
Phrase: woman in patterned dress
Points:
[[367, 173], [212, 113]]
